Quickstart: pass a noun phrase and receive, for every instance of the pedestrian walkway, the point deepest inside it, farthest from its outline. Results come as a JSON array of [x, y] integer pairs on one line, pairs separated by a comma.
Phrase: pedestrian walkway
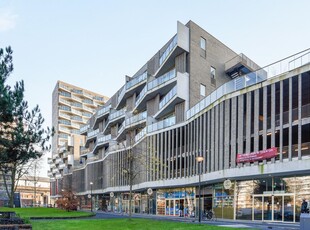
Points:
[[239, 224]]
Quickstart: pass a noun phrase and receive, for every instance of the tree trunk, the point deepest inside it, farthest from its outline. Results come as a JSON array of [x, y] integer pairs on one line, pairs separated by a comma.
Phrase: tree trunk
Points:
[[11, 196]]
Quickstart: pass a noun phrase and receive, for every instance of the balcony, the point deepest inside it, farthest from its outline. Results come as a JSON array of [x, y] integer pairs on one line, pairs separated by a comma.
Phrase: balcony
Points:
[[55, 170], [83, 129], [49, 173], [240, 65], [114, 118], [101, 115], [63, 115], [65, 102], [134, 85], [52, 165], [162, 85], [70, 160], [177, 94], [91, 135], [58, 176], [102, 141], [58, 161], [49, 160], [136, 120], [140, 135], [62, 166], [161, 124], [65, 130]]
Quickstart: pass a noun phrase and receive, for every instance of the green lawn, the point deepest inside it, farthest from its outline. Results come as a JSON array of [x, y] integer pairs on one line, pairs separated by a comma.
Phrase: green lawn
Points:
[[45, 212], [122, 224]]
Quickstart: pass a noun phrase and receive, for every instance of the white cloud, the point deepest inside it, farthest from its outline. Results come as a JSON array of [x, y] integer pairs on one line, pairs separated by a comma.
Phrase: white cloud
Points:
[[7, 20]]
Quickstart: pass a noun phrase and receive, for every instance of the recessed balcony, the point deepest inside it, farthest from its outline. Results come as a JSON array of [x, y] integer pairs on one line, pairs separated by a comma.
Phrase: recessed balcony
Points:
[[115, 117]]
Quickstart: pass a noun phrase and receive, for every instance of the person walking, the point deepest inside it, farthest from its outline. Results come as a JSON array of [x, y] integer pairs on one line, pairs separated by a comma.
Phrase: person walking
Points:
[[304, 207]]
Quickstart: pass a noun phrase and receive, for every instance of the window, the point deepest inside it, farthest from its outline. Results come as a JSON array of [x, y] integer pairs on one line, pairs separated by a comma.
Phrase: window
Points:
[[212, 72], [202, 43], [202, 90]]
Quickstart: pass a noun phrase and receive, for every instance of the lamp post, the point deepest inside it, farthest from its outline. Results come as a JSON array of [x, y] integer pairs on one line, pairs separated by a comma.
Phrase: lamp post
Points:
[[199, 159], [91, 196]]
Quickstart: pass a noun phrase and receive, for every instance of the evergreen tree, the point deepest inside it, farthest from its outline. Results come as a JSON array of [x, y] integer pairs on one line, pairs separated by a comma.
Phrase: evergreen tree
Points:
[[22, 135]]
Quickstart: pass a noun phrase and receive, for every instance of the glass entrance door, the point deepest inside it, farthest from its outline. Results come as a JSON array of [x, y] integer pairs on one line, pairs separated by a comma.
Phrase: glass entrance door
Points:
[[277, 207]]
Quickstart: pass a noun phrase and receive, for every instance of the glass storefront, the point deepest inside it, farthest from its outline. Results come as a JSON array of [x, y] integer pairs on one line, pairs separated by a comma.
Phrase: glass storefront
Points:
[[176, 202]]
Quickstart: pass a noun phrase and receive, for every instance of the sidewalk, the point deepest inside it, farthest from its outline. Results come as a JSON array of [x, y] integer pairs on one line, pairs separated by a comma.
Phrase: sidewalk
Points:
[[219, 222]]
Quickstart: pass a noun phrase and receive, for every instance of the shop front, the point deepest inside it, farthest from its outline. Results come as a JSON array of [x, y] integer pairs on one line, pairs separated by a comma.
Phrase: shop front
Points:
[[176, 202]]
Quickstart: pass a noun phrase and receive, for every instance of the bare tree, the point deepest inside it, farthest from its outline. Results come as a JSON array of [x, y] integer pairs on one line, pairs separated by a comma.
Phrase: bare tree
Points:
[[137, 162]]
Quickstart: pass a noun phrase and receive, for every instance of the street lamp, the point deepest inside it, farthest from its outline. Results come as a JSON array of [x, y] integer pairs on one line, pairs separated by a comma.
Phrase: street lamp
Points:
[[199, 159], [91, 196]]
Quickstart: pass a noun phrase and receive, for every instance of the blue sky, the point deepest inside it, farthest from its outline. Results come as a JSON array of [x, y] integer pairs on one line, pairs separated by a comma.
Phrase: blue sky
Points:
[[94, 44]]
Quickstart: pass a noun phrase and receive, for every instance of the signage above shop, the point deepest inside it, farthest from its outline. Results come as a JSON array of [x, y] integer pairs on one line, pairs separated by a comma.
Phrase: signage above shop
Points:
[[150, 191], [257, 156], [111, 194]]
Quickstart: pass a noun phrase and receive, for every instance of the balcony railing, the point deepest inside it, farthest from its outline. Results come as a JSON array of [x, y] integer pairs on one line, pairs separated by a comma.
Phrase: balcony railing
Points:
[[84, 128], [76, 112], [76, 98], [92, 133], [64, 101], [136, 80], [84, 150], [141, 134], [168, 97], [116, 114], [161, 124], [162, 79], [156, 82], [170, 47], [252, 78], [63, 129], [136, 118], [103, 139], [121, 94], [121, 128], [103, 110], [141, 95], [64, 115], [62, 166]]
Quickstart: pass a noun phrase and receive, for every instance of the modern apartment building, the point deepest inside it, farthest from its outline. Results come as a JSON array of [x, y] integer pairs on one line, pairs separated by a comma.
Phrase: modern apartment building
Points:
[[197, 113], [72, 108]]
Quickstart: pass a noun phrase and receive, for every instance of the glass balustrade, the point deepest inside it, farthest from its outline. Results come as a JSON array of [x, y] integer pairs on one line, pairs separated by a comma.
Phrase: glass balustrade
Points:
[[92, 133], [136, 118], [121, 94], [116, 114], [103, 110], [168, 97], [161, 124], [170, 47], [141, 95], [84, 128], [121, 128], [252, 78], [162, 79], [103, 139], [136, 80], [141, 134]]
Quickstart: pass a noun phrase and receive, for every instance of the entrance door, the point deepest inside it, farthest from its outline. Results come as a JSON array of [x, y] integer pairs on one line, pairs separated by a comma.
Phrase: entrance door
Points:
[[277, 207]]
